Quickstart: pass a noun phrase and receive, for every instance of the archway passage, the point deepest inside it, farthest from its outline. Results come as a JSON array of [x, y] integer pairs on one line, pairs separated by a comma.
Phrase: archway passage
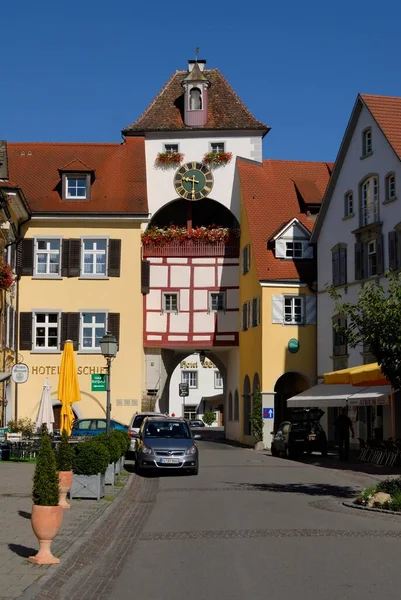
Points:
[[184, 213], [287, 385]]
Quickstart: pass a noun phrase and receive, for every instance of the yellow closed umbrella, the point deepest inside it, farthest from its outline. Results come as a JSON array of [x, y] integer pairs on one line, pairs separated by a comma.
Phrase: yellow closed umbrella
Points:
[[68, 387]]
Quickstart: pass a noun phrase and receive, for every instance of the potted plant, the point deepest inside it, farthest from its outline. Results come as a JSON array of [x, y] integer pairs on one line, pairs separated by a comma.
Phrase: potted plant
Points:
[[6, 276], [64, 460], [113, 448], [46, 513], [166, 160], [217, 159], [89, 466], [124, 442]]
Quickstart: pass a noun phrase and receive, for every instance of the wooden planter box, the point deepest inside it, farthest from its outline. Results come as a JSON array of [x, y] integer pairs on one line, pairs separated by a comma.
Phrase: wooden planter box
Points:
[[110, 474], [87, 486]]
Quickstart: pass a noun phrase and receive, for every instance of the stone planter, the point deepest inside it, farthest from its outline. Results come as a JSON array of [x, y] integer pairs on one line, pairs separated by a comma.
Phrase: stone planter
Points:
[[64, 486], [46, 523], [110, 474], [122, 461], [88, 486], [118, 466]]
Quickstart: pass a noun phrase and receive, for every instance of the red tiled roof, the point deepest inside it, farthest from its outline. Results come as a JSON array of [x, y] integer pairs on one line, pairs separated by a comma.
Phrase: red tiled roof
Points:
[[271, 200], [386, 110], [119, 184], [225, 109]]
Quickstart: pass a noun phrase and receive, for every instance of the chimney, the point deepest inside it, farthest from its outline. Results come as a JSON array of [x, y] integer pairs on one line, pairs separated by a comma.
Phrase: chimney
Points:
[[201, 64]]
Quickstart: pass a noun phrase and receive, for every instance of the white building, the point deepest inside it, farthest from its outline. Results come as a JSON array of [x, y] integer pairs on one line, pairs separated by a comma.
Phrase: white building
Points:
[[357, 233]]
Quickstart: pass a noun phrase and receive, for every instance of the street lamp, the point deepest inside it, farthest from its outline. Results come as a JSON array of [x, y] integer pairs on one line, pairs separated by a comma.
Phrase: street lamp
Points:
[[108, 347], [202, 357]]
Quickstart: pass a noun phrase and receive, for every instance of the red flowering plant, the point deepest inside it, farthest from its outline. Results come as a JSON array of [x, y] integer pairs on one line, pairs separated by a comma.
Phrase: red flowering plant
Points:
[[164, 160], [217, 159], [160, 236], [6, 276]]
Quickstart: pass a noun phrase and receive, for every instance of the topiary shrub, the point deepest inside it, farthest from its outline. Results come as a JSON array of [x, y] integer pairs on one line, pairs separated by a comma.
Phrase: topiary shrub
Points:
[[209, 417], [395, 503], [45, 479], [64, 453], [92, 457], [123, 439], [112, 445]]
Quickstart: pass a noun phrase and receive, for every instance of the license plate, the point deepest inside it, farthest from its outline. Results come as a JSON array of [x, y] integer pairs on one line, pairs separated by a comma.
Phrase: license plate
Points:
[[169, 461], [299, 440]]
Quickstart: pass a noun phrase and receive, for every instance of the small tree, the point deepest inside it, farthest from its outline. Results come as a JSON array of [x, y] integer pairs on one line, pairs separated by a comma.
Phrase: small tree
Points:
[[375, 322], [209, 417], [64, 454], [45, 479], [257, 416]]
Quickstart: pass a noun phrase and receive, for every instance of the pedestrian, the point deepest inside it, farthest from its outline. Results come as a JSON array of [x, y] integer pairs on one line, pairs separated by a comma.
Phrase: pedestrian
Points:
[[342, 428]]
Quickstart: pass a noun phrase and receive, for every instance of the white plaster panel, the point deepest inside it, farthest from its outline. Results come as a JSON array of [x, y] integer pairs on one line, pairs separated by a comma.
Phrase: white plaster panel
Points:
[[154, 337], [179, 323], [158, 276], [156, 322], [203, 322], [203, 261], [201, 338], [227, 276], [184, 299], [204, 277], [180, 277], [177, 261], [178, 338], [227, 321], [200, 300], [225, 338], [232, 298], [228, 261], [155, 260], [154, 300]]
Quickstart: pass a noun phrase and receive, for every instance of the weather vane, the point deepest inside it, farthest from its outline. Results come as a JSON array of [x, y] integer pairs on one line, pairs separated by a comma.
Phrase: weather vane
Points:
[[196, 53]]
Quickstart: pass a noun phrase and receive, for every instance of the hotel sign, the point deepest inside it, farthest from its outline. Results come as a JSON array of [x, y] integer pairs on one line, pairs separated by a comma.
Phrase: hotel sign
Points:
[[47, 370]]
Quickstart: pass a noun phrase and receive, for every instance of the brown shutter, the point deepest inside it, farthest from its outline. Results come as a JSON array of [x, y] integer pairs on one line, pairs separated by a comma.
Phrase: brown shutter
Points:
[[379, 251], [342, 269], [336, 267], [113, 325], [114, 258], [25, 257], [69, 329], [145, 276], [25, 331], [65, 255], [392, 250], [359, 247], [74, 263]]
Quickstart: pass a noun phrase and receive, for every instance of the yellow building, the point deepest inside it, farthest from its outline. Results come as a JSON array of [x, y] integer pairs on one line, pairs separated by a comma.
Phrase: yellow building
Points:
[[279, 203], [80, 270]]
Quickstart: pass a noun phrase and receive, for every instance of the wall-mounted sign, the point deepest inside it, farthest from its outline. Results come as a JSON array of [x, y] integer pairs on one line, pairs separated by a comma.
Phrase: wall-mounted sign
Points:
[[183, 390], [20, 373], [293, 345], [268, 413], [98, 382], [47, 370]]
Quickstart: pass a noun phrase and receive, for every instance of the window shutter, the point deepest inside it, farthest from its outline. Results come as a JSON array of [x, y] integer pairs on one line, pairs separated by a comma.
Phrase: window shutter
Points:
[[65, 254], [277, 309], [310, 310], [392, 250], [244, 316], [359, 248], [12, 327], [336, 267], [25, 331], [307, 250], [70, 329], [145, 276], [25, 257], [257, 310], [380, 257], [74, 262], [280, 248], [113, 325], [342, 266], [114, 258]]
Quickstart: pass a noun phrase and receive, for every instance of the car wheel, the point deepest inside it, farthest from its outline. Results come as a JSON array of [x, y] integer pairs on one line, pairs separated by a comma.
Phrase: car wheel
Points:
[[194, 471], [137, 467], [273, 450], [324, 451]]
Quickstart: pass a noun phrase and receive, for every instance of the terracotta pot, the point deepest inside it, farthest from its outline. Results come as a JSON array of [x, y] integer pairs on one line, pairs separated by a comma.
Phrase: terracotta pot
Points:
[[64, 486], [46, 523]]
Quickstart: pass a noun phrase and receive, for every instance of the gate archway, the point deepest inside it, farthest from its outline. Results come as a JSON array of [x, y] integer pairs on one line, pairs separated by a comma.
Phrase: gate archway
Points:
[[289, 384]]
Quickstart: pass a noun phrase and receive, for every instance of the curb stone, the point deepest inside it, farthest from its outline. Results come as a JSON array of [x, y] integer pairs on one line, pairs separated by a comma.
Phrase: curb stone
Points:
[[369, 509]]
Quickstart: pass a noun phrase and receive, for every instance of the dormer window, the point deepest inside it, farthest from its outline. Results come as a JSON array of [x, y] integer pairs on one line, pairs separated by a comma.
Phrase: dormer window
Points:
[[76, 186], [294, 249], [217, 147], [195, 99]]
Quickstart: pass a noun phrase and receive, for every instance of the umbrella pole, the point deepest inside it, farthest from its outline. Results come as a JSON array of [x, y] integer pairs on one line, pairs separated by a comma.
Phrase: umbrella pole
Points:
[[392, 413]]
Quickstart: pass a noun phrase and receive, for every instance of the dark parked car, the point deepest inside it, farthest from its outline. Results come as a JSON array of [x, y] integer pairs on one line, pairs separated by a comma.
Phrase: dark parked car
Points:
[[94, 426], [166, 443], [196, 424], [302, 434]]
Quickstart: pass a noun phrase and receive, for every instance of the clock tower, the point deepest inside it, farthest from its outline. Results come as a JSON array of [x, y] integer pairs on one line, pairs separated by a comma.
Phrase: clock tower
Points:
[[195, 87]]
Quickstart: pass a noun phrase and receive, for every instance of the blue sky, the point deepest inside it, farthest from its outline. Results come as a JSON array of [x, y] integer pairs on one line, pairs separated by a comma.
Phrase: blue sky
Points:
[[82, 70]]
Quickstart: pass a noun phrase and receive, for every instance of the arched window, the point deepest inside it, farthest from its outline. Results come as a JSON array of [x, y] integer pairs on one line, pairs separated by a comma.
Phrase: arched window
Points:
[[370, 200], [230, 406], [390, 187], [256, 383], [247, 406], [236, 406], [195, 99]]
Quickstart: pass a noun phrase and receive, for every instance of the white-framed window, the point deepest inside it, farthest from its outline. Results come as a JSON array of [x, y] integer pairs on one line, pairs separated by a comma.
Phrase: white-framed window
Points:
[[370, 201], [246, 259], [218, 380], [46, 330], [47, 256], [76, 187], [171, 148], [366, 142], [349, 204], [94, 255], [294, 249], [170, 302], [217, 301], [191, 378], [390, 187], [294, 310], [217, 146], [93, 328], [372, 258]]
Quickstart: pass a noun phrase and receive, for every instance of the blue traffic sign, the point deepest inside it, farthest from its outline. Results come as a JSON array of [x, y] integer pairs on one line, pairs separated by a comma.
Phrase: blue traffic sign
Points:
[[268, 413]]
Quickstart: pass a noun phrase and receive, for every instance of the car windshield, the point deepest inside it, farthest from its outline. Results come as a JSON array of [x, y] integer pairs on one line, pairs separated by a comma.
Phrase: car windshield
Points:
[[167, 429]]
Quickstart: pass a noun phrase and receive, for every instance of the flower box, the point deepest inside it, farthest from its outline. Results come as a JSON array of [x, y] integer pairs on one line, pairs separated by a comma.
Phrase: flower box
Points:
[[6, 276], [165, 160], [88, 486], [110, 474], [214, 234], [217, 159]]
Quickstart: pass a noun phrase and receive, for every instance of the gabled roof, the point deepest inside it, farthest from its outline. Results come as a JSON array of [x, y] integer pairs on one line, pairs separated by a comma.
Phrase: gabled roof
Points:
[[119, 185], [225, 110], [271, 202], [282, 230], [386, 111]]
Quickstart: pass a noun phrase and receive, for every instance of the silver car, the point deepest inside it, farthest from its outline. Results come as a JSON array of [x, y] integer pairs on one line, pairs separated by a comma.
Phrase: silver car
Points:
[[166, 443], [135, 425]]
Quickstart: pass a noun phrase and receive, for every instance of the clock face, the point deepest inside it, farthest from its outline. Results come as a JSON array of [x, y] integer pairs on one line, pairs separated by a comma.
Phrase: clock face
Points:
[[193, 181]]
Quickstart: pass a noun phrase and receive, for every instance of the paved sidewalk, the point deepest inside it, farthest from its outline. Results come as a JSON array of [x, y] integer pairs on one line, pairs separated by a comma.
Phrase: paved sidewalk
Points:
[[17, 540]]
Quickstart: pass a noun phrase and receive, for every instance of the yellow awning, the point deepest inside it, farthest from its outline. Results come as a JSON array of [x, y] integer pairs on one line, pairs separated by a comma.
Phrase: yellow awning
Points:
[[363, 376]]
